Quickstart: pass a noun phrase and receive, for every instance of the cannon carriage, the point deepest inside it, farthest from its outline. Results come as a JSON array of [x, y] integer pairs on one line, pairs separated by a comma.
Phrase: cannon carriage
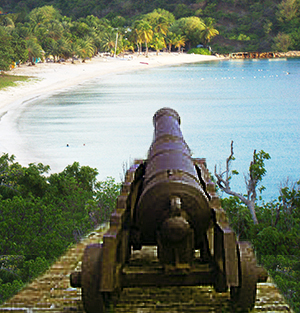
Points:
[[168, 229]]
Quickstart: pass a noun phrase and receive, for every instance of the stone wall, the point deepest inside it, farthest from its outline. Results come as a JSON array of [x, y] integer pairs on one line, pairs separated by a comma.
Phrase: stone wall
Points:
[[263, 55]]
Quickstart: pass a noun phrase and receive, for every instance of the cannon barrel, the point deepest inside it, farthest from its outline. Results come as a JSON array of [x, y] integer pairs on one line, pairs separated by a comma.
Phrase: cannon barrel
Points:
[[170, 173]]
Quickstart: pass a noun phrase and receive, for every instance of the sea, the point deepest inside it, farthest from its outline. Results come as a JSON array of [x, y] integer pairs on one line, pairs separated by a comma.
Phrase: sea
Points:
[[106, 123]]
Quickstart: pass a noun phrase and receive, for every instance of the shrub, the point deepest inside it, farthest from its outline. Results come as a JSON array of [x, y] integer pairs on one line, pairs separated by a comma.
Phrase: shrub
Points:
[[203, 51]]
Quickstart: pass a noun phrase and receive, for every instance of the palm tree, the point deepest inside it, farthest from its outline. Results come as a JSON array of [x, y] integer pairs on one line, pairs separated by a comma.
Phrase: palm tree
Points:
[[34, 50], [54, 29], [209, 31], [74, 49], [161, 25], [86, 48], [171, 40], [158, 42], [25, 31], [109, 41], [179, 42], [43, 14], [144, 33], [8, 23], [52, 48], [64, 48], [135, 34]]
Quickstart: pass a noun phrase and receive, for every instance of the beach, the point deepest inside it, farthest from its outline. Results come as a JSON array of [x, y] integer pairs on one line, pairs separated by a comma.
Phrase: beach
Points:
[[49, 78]]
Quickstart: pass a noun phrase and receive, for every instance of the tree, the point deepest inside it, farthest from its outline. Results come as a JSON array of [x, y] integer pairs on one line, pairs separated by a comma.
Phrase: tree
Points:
[[86, 48], [282, 42], [209, 31], [80, 29], [25, 30], [18, 45], [127, 45], [64, 48], [43, 14], [144, 33], [170, 40], [256, 173], [179, 42], [6, 50], [137, 38], [40, 216], [287, 10], [54, 29], [8, 23], [9, 173], [182, 10], [74, 49], [51, 48], [287, 208], [159, 22], [158, 42], [239, 217], [191, 28], [106, 195], [34, 50], [109, 41], [160, 17]]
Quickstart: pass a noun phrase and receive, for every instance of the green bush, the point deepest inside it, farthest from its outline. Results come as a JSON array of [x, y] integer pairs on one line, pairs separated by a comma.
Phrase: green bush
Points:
[[41, 216], [275, 238], [203, 51]]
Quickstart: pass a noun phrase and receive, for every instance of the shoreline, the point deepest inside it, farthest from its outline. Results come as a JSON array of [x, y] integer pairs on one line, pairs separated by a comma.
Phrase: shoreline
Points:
[[50, 78]]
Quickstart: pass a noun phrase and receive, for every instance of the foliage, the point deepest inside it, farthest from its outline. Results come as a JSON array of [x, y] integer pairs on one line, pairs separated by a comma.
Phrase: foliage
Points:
[[40, 216], [45, 33], [199, 51], [6, 51], [34, 50], [158, 43], [209, 31], [144, 32], [191, 28], [239, 217], [253, 179], [275, 238], [282, 42], [246, 25], [275, 231]]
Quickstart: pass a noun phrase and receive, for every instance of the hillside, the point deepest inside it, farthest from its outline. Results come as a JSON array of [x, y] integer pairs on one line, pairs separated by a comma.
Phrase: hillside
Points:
[[248, 25]]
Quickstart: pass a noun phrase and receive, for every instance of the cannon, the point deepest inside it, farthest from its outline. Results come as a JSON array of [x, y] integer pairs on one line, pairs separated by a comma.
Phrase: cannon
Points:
[[168, 206]]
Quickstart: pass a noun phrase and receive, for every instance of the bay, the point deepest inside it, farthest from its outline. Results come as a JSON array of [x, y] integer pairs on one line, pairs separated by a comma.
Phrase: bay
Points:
[[107, 122]]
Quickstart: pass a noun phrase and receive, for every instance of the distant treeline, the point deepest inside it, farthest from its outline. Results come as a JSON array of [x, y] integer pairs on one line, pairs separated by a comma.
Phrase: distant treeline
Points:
[[248, 25], [45, 33]]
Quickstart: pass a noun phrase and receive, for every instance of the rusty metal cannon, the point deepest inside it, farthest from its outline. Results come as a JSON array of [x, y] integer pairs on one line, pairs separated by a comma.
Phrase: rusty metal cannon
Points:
[[165, 207]]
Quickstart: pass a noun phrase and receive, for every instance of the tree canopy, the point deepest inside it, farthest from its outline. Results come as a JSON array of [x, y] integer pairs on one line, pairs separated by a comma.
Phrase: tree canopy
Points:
[[42, 215], [45, 33], [243, 25]]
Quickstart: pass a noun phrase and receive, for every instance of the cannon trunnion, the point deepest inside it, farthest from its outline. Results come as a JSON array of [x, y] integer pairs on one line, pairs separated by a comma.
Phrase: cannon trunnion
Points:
[[168, 230]]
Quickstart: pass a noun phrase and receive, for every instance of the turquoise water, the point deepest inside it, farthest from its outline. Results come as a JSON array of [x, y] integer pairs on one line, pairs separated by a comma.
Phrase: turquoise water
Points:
[[107, 122]]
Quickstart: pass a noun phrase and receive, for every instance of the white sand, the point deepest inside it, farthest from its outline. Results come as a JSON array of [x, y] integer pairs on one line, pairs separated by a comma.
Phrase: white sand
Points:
[[52, 77]]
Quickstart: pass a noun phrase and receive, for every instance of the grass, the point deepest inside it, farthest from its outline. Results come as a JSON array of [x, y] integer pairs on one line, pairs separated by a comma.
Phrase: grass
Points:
[[11, 80]]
